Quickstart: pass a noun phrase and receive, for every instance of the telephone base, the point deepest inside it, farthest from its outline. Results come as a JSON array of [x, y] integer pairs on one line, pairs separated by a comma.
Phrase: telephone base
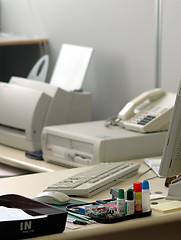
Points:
[[174, 192]]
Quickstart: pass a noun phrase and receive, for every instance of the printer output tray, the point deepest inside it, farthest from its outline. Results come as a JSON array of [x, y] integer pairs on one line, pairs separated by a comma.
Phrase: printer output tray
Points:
[[54, 222]]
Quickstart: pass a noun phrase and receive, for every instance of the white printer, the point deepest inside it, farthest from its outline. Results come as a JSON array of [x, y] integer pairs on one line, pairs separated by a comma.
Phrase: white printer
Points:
[[88, 143], [65, 107], [26, 106], [22, 114]]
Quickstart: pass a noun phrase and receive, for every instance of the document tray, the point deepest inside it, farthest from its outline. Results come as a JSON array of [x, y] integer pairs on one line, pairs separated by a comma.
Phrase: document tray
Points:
[[53, 219]]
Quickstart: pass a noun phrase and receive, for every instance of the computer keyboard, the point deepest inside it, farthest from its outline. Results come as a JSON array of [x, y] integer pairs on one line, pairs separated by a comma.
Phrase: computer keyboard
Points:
[[99, 177]]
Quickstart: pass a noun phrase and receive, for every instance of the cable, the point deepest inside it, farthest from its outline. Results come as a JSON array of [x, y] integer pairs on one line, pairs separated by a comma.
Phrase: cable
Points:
[[113, 122]]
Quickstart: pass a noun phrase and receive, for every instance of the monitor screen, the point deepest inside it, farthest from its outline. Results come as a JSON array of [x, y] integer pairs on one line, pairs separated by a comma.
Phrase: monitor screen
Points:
[[171, 157]]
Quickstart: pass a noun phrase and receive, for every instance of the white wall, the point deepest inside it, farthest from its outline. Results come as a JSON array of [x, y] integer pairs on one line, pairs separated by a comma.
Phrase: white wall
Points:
[[171, 45], [122, 32]]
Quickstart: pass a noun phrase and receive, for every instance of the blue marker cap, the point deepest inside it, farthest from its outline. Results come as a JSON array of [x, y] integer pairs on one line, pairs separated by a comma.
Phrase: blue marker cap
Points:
[[145, 185]]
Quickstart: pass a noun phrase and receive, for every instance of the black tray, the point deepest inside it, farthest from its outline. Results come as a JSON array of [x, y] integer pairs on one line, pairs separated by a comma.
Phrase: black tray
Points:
[[114, 219], [54, 222]]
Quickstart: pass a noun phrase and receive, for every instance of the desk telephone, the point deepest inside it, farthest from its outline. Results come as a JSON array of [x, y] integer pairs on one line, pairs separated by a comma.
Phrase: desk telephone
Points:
[[149, 112]]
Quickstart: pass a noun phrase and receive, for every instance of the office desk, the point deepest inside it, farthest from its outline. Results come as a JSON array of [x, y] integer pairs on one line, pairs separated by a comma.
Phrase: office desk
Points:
[[158, 226], [16, 158]]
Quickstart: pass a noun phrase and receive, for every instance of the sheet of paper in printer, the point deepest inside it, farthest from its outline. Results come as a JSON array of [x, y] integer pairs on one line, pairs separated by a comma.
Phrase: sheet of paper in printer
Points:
[[71, 67]]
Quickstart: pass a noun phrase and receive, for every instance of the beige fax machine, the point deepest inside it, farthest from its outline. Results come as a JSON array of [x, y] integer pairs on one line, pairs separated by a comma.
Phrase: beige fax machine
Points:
[[88, 143], [26, 106]]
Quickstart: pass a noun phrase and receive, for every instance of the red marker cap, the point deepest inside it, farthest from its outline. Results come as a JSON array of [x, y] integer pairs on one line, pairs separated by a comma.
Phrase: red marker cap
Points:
[[137, 186]]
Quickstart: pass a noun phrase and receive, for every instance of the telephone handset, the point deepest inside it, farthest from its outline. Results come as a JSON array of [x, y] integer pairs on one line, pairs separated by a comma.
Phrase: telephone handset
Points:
[[128, 110], [149, 112]]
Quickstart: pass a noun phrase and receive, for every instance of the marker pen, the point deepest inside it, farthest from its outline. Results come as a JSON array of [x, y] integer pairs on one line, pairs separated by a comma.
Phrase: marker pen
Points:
[[121, 203], [137, 188], [145, 196], [75, 221], [129, 203]]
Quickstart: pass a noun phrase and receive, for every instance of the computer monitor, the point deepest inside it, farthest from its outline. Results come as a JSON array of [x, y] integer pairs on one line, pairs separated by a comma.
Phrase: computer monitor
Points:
[[171, 157]]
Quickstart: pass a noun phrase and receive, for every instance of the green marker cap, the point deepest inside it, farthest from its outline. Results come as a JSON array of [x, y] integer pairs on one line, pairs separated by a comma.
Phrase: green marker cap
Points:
[[121, 193]]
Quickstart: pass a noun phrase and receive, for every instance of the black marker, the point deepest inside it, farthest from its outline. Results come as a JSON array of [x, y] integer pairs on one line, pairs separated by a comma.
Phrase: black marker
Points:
[[75, 221], [129, 204]]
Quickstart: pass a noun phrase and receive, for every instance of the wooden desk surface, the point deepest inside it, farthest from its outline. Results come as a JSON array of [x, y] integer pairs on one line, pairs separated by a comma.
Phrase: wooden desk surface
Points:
[[17, 158], [158, 226], [13, 39]]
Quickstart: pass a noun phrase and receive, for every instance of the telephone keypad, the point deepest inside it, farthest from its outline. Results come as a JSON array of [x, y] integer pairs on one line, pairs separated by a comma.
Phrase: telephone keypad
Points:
[[146, 119]]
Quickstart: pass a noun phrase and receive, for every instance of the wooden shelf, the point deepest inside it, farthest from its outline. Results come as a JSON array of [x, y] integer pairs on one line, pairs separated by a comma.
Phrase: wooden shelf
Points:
[[13, 39]]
